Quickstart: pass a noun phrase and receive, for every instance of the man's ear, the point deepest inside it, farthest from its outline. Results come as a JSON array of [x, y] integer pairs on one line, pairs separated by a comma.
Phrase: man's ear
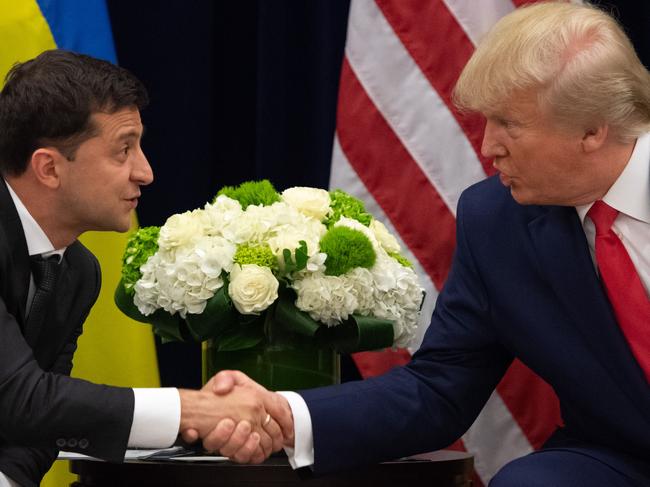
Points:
[[594, 138], [45, 163]]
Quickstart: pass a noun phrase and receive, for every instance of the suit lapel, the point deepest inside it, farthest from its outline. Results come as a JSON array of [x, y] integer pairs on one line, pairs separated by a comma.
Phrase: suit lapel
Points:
[[18, 255], [565, 262]]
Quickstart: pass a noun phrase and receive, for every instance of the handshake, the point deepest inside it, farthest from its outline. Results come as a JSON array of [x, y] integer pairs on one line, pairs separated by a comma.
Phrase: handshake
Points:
[[237, 417]]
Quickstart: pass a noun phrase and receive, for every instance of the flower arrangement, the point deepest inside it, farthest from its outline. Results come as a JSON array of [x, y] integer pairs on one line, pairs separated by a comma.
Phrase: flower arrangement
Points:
[[254, 264]]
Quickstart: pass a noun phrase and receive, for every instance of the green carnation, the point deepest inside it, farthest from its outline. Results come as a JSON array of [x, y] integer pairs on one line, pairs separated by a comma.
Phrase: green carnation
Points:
[[140, 246], [252, 193], [401, 259], [261, 255], [348, 206], [346, 249]]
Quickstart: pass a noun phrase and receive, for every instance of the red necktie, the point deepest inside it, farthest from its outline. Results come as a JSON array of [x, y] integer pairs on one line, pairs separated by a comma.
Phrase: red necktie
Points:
[[622, 284]]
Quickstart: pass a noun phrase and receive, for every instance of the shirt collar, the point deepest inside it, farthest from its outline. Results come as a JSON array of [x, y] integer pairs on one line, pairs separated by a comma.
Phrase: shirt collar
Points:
[[630, 193], [37, 241]]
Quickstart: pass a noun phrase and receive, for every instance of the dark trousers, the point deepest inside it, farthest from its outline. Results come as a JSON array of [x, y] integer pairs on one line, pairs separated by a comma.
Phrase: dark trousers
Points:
[[569, 463]]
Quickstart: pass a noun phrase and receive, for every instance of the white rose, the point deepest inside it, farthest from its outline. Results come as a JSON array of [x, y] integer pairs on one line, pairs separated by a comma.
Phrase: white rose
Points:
[[252, 288], [384, 237], [181, 229], [312, 202]]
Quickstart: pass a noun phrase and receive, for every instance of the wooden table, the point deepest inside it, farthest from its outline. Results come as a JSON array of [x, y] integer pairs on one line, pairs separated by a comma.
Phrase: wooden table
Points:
[[437, 469]]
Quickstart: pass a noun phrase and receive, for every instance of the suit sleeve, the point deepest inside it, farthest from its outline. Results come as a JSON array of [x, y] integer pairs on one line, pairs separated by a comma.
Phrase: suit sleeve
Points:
[[41, 408], [24, 464], [430, 402], [46, 409]]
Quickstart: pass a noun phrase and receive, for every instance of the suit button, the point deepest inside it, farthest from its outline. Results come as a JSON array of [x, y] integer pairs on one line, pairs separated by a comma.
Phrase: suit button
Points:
[[61, 442], [72, 442], [83, 443]]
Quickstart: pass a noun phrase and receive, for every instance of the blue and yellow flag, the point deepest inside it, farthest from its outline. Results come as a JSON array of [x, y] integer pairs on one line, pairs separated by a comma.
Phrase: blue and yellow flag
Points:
[[113, 349]]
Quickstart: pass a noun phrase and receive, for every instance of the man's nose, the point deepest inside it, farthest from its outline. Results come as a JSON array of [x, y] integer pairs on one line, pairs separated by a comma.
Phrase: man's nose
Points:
[[491, 147], [142, 172]]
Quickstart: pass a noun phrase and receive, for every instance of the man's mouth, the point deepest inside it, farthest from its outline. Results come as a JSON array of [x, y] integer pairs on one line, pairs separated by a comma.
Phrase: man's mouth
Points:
[[505, 179], [133, 201]]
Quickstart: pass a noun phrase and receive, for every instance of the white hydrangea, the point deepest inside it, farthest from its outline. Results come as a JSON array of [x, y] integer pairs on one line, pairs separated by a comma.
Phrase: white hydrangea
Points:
[[397, 296], [184, 280], [196, 247], [146, 291], [222, 212], [255, 224], [328, 299]]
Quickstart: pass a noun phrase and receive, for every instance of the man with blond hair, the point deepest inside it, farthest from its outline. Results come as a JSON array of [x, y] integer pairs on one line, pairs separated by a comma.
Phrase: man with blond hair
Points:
[[552, 267]]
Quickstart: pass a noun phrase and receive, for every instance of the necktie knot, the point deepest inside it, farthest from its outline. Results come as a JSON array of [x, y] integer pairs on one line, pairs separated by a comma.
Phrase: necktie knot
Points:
[[603, 217], [45, 271]]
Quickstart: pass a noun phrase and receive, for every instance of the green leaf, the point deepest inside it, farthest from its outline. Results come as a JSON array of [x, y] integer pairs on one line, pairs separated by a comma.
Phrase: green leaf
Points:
[[240, 337], [289, 265], [300, 261], [168, 327], [301, 256], [292, 318], [125, 304], [219, 315], [358, 334]]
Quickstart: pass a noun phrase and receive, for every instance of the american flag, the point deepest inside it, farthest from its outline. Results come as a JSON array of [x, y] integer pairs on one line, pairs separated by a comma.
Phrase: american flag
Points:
[[403, 148]]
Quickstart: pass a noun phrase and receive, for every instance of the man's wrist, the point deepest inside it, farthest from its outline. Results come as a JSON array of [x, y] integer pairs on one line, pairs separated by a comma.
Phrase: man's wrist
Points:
[[301, 453]]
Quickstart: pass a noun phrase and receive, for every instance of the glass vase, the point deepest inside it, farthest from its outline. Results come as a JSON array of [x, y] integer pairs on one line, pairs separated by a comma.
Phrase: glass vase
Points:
[[301, 365]]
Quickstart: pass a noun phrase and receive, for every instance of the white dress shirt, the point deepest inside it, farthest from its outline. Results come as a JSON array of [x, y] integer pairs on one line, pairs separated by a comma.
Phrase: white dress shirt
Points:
[[630, 195], [157, 412]]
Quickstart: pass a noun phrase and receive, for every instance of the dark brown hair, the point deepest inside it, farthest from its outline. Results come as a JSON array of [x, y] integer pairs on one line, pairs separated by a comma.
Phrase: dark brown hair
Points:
[[48, 101]]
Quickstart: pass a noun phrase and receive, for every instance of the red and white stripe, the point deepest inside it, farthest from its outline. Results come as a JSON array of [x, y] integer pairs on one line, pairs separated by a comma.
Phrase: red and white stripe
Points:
[[403, 148]]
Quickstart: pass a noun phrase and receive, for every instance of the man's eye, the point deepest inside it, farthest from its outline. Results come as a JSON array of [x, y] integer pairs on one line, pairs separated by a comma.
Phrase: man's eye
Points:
[[505, 123], [125, 150]]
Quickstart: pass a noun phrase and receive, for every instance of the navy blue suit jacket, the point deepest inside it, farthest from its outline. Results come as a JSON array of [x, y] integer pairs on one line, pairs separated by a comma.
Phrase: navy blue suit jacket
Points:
[[523, 285]]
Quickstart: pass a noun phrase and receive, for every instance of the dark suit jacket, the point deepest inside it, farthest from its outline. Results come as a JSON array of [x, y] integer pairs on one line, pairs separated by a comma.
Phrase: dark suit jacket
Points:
[[522, 284], [41, 408]]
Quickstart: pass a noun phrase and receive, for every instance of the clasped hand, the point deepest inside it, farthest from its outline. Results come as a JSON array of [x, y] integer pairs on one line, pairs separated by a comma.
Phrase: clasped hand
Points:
[[237, 417]]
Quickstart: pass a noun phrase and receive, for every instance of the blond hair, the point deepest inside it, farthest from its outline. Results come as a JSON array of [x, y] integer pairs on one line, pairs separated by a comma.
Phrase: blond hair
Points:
[[576, 58]]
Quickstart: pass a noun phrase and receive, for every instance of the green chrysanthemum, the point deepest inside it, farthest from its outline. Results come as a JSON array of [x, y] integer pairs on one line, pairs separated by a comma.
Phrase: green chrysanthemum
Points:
[[346, 249], [252, 193], [140, 246], [260, 255], [348, 206], [401, 259]]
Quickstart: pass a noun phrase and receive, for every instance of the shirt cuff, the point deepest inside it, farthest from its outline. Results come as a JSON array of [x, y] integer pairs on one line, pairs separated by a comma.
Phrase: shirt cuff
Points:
[[302, 453], [7, 482], [156, 418]]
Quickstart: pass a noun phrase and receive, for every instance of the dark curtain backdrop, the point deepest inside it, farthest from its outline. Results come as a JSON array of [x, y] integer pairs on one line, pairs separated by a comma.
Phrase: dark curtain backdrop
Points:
[[240, 90]]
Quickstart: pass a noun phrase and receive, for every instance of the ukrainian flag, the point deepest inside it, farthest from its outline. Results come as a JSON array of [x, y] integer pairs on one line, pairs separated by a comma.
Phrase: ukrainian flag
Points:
[[113, 349]]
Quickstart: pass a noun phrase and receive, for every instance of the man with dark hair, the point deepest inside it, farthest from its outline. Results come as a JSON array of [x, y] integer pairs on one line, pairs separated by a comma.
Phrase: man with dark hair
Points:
[[71, 161]]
